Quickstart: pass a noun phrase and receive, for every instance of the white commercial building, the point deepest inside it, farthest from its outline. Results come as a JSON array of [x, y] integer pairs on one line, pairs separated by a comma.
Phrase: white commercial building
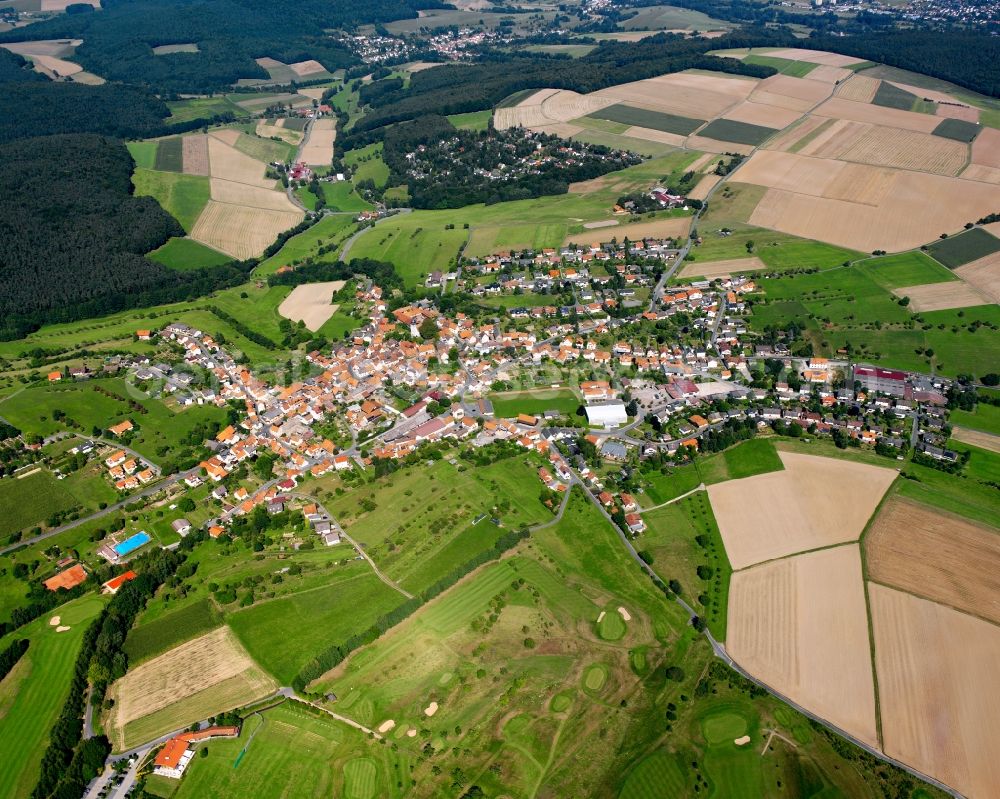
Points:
[[607, 414]]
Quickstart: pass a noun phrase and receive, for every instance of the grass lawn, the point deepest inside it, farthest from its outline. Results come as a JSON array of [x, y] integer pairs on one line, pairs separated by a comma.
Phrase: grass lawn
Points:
[[340, 196], [983, 464], [29, 501], [328, 232], [664, 486], [670, 539], [160, 634], [184, 254], [984, 417], [32, 695], [476, 120], [286, 633], [143, 153], [181, 196], [756, 456], [324, 757], [201, 108], [367, 164], [905, 269], [266, 150], [786, 66], [536, 402], [410, 243]]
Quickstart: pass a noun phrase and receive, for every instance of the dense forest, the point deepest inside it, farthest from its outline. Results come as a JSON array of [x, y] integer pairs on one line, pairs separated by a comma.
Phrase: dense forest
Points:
[[29, 109], [14, 69], [72, 236], [118, 41], [457, 88]]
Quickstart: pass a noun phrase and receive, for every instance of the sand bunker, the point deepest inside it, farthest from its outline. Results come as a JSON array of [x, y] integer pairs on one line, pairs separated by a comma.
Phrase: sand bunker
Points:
[[625, 614], [55, 621], [62, 628], [411, 733], [601, 617], [743, 740], [431, 709], [386, 725]]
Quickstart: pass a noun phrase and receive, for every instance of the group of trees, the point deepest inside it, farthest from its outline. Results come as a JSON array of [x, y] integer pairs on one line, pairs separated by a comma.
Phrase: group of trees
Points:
[[447, 171], [381, 273], [70, 763]]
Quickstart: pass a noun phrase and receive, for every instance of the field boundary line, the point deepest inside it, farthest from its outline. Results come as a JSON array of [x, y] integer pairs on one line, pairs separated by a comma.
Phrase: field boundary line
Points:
[[685, 495]]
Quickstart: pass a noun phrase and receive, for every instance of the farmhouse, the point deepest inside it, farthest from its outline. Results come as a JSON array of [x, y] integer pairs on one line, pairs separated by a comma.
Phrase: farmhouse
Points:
[[173, 759], [121, 428]]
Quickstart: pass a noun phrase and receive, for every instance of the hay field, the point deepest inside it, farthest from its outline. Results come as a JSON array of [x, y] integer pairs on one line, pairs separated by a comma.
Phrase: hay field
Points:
[[805, 131], [306, 68], [858, 88], [939, 690], [828, 74], [839, 108], [704, 186], [941, 296], [963, 112], [936, 555], [984, 274], [194, 154], [318, 149], [977, 438], [227, 191], [239, 230], [815, 57], [800, 625], [228, 163], [878, 145], [549, 106], [672, 227], [715, 146], [182, 681], [311, 303], [267, 130], [770, 116], [713, 269], [52, 66], [814, 502]]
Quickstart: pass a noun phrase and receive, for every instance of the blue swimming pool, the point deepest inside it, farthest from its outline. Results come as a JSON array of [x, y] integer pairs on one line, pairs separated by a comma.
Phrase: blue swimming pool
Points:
[[132, 543]]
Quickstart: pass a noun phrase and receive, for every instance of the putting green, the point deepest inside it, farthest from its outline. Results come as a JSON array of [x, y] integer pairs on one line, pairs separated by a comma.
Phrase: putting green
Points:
[[637, 657], [611, 627], [722, 727], [561, 702], [361, 778], [595, 676]]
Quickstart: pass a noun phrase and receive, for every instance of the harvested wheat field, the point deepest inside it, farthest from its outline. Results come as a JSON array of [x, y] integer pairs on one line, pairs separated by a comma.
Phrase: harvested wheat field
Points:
[[716, 146], [310, 303], [986, 148], [936, 555], [939, 690], [813, 502], [965, 112], [60, 5], [770, 116], [984, 174], [858, 88], [673, 227], [796, 94], [239, 230], [862, 184], [828, 74], [977, 438], [800, 625], [226, 191], [183, 679], [563, 129], [900, 220], [276, 130], [55, 67], [894, 147], [60, 48], [839, 108], [685, 94], [941, 296], [984, 274], [318, 149], [714, 269], [704, 186], [648, 134], [194, 154], [305, 68], [809, 126], [525, 113], [701, 162], [815, 57], [790, 172], [228, 163], [226, 135]]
